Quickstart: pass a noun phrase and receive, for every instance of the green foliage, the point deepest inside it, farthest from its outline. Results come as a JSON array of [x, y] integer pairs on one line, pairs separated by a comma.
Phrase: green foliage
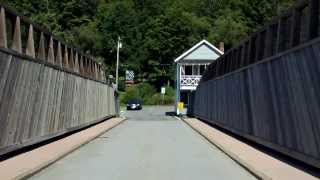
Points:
[[148, 94], [153, 32], [131, 93], [142, 91]]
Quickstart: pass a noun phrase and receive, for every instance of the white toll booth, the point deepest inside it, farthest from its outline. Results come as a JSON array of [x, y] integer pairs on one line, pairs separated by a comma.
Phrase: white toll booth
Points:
[[189, 69]]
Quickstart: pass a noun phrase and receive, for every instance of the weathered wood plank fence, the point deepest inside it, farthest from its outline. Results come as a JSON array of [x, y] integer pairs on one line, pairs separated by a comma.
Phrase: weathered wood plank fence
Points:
[[47, 88], [267, 88]]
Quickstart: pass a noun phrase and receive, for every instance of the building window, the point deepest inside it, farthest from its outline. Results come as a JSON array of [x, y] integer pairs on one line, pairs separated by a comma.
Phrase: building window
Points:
[[202, 69], [188, 69], [195, 70]]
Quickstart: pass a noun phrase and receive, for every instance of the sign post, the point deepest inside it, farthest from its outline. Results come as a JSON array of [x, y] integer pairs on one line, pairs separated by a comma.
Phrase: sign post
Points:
[[163, 92]]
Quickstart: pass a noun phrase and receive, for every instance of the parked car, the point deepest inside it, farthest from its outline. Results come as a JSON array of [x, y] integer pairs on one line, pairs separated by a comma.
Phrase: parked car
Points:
[[134, 104]]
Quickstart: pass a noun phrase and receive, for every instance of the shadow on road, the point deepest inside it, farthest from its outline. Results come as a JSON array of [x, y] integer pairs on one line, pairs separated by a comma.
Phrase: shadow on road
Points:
[[171, 113]]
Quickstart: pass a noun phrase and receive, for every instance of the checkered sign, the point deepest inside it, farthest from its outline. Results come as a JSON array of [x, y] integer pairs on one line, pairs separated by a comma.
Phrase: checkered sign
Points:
[[129, 75]]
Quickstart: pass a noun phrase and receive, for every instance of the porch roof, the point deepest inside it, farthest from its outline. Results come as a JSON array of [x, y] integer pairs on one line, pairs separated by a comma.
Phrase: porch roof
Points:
[[202, 52]]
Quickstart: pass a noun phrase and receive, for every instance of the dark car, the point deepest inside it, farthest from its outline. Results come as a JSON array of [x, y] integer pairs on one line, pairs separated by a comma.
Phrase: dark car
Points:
[[134, 104]]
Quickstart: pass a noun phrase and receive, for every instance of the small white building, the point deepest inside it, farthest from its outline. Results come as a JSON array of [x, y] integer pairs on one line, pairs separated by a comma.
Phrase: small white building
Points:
[[190, 67]]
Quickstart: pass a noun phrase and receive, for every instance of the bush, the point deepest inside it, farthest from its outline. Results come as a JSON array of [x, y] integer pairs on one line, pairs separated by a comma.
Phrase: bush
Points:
[[142, 91], [148, 94]]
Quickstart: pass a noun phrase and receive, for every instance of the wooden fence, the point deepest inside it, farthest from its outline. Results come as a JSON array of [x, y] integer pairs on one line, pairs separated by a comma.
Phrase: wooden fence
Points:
[[267, 88], [47, 88]]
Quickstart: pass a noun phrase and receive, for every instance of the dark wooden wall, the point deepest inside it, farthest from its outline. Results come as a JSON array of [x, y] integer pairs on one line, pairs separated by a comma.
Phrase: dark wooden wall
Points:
[[275, 103], [267, 87]]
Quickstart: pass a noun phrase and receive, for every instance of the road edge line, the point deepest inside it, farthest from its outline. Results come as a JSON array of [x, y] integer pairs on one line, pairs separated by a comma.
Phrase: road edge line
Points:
[[25, 173], [258, 174]]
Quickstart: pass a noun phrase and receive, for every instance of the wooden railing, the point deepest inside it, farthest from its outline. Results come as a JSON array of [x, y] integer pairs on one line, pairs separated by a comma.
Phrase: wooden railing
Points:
[[294, 27], [189, 80], [47, 88], [19, 34]]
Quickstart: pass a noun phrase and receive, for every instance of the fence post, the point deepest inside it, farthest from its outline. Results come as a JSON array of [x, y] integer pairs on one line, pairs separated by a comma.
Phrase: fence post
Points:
[[3, 29], [85, 66], [257, 47], [252, 50], [268, 43], [91, 69], [279, 38], [218, 67], [295, 28], [59, 55], [94, 70], [30, 51], [103, 75], [71, 60], [51, 51], [42, 51], [65, 57], [81, 70], [17, 43], [76, 62], [313, 17]]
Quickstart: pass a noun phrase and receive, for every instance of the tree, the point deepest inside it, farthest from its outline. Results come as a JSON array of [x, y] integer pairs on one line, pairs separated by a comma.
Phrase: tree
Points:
[[153, 32]]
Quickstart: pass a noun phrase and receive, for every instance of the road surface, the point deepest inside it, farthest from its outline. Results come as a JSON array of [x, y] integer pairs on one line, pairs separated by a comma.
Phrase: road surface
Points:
[[149, 146]]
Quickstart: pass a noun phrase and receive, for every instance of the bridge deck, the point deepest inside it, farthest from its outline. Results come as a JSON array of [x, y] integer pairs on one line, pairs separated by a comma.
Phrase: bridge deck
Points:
[[149, 145]]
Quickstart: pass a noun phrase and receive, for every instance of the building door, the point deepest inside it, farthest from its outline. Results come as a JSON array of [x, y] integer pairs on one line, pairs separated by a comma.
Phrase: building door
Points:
[[185, 97]]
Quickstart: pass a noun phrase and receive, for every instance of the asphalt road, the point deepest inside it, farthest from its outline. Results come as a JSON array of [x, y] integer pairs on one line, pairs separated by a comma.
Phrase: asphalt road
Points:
[[149, 146]]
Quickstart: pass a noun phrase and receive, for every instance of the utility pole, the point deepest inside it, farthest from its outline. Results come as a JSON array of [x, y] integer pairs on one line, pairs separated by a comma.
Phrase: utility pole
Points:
[[119, 45]]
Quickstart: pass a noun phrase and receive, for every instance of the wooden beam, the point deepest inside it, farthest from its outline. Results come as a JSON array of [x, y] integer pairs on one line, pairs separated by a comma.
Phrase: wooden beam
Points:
[[17, 42], [76, 62], [252, 50], [30, 50], [66, 57], [279, 36], [243, 55], [42, 48], [257, 47], [313, 17], [71, 59], [85, 66], [59, 55], [218, 66], [51, 51], [295, 28], [95, 69], [247, 60], [104, 79], [81, 68], [3, 29], [91, 68], [268, 43], [100, 72]]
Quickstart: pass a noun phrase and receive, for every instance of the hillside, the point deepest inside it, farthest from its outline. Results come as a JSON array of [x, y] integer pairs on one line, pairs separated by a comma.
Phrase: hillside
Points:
[[153, 32]]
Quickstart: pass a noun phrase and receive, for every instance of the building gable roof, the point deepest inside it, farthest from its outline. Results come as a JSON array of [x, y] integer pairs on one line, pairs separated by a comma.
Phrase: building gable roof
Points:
[[201, 51]]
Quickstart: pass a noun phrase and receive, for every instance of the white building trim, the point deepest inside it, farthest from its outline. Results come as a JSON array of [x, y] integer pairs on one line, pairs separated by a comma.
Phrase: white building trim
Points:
[[197, 46]]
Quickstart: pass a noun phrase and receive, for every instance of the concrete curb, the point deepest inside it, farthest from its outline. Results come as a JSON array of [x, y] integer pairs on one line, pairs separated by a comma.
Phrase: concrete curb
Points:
[[27, 164], [259, 164]]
